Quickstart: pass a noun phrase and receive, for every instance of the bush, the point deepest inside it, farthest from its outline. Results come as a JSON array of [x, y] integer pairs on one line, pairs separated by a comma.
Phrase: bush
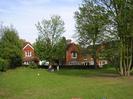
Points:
[[33, 65], [108, 66], [15, 61], [3, 64]]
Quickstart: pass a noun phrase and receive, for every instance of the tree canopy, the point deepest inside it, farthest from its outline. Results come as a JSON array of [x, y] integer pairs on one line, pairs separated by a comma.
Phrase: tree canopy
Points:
[[112, 18], [50, 38], [10, 47], [91, 22]]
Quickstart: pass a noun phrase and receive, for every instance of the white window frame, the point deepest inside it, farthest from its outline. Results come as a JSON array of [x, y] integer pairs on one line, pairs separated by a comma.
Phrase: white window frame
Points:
[[28, 53], [74, 56]]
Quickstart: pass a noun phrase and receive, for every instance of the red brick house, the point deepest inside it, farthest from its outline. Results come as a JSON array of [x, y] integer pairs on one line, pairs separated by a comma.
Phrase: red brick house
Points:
[[72, 54], [75, 55], [29, 54]]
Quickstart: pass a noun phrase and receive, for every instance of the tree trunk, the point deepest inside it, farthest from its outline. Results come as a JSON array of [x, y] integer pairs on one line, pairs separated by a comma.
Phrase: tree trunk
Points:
[[121, 59], [126, 56], [94, 54]]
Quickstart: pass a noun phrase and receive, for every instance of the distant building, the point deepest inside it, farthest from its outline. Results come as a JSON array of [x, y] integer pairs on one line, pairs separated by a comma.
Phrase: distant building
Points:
[[72, 54], [29, 54], [75, 55]]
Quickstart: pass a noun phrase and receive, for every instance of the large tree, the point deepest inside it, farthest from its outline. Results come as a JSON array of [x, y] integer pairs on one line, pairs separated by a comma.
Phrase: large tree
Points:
[[60, 50], [10, 47], [120, 13], [50, 33], [91, 20], [40, 48], [123, 22], [123, 16]]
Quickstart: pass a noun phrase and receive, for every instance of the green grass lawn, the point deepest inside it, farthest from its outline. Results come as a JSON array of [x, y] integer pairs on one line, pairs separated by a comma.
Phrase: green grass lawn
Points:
[[24, 83]]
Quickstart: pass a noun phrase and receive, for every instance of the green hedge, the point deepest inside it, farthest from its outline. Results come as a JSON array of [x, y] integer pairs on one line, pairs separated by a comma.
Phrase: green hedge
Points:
[[3, 64]]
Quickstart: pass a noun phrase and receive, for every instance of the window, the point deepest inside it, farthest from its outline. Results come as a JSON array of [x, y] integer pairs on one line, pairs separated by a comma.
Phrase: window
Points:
[[91, 62], [74, 55], [28, 54]]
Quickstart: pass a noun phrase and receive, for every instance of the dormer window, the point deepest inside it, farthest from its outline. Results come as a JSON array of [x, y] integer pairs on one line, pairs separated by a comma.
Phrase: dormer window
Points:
[[74, 55]]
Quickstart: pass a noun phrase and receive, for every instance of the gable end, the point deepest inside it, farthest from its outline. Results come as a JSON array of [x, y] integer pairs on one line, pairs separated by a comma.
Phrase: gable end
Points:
[[28, 45]]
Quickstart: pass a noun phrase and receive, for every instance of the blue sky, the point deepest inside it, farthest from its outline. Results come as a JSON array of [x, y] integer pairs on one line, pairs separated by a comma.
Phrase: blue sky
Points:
[[24, 14]]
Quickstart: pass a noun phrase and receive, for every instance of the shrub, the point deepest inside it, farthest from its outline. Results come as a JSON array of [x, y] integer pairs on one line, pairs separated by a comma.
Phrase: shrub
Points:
[[15, 61], [3, 64], [33, 65], [108, 66]]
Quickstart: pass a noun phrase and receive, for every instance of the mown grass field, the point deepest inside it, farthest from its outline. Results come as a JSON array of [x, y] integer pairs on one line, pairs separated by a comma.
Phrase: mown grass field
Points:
[[25, 83]]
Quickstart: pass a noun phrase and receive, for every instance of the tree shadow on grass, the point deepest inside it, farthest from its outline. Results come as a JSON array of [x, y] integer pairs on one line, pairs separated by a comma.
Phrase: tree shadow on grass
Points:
[[89, 73]]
